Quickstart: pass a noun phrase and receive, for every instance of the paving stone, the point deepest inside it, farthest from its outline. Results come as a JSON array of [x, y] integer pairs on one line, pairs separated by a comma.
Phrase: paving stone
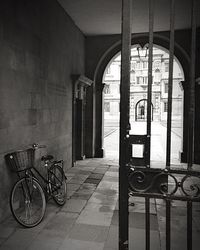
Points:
[[72, 244], [93, 181], [71, 186], [84, 192], [5, 232], [90, 186], [1, 241], [100, 171], [60, 222], [10, 247], [95, 218], [89, 232], [107, 184], [137, 239], [137, 220], [91, 206], [74, 205], [71, 215], [112, 239], [70, 193], [112, 174], [110, 178], [48, 239], [103, 199], [81, 196], [19, 240], [78, 179], [96, 176], [140, 207], [85, 172], [113, 169]]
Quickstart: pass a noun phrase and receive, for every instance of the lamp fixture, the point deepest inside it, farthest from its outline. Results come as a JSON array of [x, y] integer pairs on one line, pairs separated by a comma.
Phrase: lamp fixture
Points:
[[142, 52]]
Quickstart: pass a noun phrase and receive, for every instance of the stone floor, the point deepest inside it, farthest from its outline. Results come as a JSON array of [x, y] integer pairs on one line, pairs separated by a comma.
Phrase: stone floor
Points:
[[89, 219]]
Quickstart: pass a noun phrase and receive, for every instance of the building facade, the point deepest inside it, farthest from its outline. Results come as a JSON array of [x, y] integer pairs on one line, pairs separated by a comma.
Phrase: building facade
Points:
[[139, 85]]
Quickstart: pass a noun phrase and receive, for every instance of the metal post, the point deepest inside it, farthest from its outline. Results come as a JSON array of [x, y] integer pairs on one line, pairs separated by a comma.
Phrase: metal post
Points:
[[170, 82], [192, 88], [168, 224], [189, 225], [124, 124], [147, 222], [150, 63]]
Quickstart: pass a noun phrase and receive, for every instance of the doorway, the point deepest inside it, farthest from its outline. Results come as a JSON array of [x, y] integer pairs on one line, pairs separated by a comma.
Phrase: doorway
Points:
[[138, 102]]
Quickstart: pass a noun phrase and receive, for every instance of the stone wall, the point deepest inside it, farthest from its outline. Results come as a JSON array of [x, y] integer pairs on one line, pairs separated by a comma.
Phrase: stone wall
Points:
[[40, 48]]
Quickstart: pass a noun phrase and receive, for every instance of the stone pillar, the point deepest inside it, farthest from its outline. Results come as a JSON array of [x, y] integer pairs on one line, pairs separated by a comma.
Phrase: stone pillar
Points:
[[80, 84]]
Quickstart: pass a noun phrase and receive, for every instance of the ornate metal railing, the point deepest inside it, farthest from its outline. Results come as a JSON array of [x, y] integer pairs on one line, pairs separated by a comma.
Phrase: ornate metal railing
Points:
[[173, 184]]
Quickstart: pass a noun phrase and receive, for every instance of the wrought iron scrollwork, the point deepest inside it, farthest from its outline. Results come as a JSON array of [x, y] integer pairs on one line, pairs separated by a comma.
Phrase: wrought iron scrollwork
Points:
[[183, 185], [190, 185]]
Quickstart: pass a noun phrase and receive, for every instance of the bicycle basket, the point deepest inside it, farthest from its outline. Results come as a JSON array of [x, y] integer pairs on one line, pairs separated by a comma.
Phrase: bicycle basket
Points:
[[20, 160]]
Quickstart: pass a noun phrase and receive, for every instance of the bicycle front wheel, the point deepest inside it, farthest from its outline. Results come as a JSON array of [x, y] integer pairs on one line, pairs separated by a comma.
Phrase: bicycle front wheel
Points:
[[27, 202], [58, 184]]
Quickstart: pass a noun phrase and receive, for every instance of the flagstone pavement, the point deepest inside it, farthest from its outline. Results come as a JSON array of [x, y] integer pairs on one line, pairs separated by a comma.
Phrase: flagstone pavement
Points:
[[89, 219]]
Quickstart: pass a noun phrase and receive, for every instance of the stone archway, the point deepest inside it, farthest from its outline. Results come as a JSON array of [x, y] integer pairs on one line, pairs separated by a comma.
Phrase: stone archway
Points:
[[159, 40]]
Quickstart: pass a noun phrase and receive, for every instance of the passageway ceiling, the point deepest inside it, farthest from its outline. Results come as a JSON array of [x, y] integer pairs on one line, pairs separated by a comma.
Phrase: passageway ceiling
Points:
[[103, 17]]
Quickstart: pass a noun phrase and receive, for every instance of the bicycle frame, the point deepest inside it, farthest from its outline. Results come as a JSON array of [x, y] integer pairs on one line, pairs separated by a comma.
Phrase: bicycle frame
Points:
[[47, 180]]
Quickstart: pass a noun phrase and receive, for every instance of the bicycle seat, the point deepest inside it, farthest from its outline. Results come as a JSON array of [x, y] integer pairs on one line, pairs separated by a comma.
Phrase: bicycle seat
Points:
[[47, 157]]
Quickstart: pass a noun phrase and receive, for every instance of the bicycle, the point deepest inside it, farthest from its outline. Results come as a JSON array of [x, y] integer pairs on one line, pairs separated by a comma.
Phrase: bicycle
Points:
[[28, 196]]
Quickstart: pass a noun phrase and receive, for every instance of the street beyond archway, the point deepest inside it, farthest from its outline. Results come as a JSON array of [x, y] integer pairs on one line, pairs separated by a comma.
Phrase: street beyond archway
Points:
[[158, 142]]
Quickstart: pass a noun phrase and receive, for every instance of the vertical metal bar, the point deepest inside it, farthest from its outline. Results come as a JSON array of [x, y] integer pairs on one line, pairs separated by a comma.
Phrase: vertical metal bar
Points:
[[192, 87], [147, 217], [168, 224], [189, 225], [150, 63], [170, 82], [124, 124]]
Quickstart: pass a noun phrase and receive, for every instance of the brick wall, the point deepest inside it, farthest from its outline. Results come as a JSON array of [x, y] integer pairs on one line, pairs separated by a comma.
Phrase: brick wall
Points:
[[40, 47]]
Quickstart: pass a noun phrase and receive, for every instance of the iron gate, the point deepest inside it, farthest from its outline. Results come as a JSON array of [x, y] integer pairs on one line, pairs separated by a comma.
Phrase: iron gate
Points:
[[136, 177]]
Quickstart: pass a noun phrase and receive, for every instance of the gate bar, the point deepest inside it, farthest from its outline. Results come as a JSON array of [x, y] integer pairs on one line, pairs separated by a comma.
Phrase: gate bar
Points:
[[124, 124], [150, 63], [147, 217], [170, 83], [168, 224], [192, 87], [189, 225]]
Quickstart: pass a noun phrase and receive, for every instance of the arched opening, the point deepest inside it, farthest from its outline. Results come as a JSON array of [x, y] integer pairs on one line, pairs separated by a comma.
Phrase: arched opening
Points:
[[141, 110], [138, 105]]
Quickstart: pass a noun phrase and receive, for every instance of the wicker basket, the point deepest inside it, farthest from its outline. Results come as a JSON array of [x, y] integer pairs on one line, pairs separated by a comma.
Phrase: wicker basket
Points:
[[20, 160]]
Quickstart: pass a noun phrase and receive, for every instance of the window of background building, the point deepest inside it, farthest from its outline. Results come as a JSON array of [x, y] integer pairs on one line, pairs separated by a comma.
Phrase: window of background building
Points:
[[108, 70], [166, 87], [157, 76], [107, 89], [165, 107], [133, 65], [156, 64], [145, 64], [166, 66], [106, 106]]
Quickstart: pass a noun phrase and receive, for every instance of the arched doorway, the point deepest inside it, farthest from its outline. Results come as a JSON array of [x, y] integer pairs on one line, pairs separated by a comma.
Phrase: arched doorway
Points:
[[138, 100], [141, 110]]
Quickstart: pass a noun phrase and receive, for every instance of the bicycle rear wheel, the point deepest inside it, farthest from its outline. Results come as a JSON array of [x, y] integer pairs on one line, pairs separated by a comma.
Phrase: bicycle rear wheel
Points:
[[27, 202], [58, 184]]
